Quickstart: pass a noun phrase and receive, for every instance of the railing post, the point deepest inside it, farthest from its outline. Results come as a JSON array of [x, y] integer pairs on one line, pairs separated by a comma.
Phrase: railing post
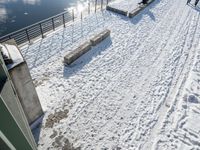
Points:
[[73, 15], [101, 4], [53, 24], [106, 2], [41, 30], [95, 6], [64, 19], [81, 24], [89, 7], [28, 36]]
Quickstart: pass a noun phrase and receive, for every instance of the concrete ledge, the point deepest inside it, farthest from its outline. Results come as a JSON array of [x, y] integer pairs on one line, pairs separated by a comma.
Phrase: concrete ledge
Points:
[[121, 12], [85, 47], [78, 52], [136, 11], [100, 37]]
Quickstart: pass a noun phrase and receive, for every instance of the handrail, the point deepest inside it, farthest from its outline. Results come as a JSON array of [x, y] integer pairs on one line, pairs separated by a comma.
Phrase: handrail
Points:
[[35, 24], [30, 32]]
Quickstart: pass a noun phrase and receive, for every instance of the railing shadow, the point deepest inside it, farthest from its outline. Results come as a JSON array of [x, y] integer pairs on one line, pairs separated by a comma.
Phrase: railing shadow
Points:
[[29, 33], [86, 58], [197, 8], [55, 44]]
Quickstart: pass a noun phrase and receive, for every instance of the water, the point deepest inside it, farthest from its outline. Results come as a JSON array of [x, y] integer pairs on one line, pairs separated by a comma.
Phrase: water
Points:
[[17, 14]]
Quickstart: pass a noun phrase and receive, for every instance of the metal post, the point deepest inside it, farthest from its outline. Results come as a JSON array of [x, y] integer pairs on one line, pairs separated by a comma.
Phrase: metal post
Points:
[[106, 2], [95, 6], [27, 36], [101, 4], [63, 20], [53, 24], [73, 14], [81, 24], [89, 7], [41, 30]]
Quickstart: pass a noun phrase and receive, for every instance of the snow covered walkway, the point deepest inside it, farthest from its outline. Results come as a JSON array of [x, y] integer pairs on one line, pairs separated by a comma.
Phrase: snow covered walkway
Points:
[[139, 89]]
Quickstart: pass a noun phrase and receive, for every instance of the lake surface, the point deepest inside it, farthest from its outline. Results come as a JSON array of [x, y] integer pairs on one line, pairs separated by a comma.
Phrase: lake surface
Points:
[[17, 14]]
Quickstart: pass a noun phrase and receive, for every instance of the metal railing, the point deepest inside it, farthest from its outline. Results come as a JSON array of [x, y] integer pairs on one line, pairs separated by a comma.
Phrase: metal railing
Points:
[[40, 29]]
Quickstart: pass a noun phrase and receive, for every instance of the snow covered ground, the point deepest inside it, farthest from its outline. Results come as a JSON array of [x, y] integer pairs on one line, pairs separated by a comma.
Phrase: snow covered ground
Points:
[[138, 89]]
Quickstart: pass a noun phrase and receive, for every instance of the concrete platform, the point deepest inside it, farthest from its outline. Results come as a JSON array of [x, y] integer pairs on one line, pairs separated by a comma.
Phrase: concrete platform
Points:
[[136, 11], [99, 37], [78, 52]]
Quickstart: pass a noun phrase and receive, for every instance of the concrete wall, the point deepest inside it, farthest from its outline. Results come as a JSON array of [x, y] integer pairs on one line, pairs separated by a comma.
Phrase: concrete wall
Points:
[[22, 80], [121, 12], [14, 126], [25, 88]]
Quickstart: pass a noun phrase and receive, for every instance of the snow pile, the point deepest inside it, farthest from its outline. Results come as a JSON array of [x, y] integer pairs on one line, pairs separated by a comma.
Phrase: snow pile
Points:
[[129, 92]]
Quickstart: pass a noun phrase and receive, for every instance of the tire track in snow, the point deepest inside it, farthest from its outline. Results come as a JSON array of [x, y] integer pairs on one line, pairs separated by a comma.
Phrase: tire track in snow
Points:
[[152, 73], [172, 80], [177, 93]]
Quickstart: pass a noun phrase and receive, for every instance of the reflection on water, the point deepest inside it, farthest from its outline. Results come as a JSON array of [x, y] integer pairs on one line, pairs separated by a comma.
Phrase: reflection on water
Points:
[[32, 2], [3, 14], [17, 14]]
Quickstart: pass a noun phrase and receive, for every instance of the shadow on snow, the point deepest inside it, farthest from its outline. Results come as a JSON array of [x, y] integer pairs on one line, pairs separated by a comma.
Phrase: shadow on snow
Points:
[[76, 66]]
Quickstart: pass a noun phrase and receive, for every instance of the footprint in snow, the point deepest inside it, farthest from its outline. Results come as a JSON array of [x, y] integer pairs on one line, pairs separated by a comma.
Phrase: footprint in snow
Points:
[[193, 99]]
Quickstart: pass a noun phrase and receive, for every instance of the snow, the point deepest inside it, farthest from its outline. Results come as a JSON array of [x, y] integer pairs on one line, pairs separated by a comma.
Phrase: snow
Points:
[[125, 5], [11, 51], [138, 89], [4, 50], [15, 55]]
